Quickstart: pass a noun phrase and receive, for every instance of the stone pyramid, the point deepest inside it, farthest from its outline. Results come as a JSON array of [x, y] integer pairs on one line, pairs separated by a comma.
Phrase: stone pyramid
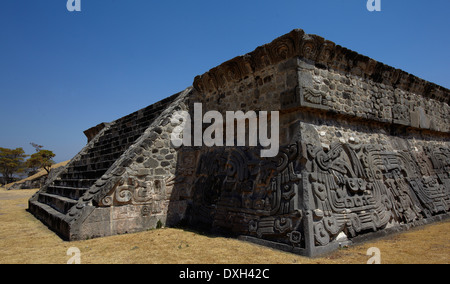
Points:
[[364, 151]]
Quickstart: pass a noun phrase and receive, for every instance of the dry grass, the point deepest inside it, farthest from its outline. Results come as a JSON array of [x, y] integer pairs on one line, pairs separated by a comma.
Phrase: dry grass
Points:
[[23, 239]]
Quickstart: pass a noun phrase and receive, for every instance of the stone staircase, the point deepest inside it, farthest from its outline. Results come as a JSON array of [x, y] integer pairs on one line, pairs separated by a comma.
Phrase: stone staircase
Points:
[[53, 202]]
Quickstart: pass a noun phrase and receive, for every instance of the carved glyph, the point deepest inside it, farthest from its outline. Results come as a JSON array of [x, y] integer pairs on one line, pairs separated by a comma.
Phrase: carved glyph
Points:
[[131, 190]]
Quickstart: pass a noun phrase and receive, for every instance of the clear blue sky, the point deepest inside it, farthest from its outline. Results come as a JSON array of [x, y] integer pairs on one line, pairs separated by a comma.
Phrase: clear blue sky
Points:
[[62, 72]]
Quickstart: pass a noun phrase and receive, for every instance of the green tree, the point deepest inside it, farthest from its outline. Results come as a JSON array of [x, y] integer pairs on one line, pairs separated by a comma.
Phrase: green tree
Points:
[[33, 167], [37, 147], [42, 159], [11, 162]]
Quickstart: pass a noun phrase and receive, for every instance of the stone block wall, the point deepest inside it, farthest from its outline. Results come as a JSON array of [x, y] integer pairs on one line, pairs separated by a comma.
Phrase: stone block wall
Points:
[[365, 148]]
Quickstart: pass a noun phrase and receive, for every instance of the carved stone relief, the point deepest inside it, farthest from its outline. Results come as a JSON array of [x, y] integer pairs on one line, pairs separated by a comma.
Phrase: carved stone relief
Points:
[[239, 192], [313, 98], [350, 189], [131, 190], [361, 188]]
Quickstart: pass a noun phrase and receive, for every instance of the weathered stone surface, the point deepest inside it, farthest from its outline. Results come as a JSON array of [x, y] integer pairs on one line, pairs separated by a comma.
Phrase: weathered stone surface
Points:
[[93, 131], [365, 152]]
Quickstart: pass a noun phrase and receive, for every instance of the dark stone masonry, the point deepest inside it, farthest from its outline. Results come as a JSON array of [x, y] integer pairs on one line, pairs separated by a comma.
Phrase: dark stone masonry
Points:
[[364, 152]]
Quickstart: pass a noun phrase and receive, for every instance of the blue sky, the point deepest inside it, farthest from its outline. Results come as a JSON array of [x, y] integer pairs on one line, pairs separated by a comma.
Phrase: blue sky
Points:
[[62, 72]]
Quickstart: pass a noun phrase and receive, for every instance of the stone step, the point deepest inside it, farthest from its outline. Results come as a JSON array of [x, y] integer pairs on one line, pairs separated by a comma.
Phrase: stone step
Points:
[[120, 135], [68, 192], [50, 217], [60, 203], [108, 158], [75, 183], [93, 166], [98, 154], [93, 174]]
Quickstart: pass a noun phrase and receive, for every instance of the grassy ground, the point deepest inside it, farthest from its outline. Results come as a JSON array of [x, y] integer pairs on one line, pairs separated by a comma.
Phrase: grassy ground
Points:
[[23, 239]]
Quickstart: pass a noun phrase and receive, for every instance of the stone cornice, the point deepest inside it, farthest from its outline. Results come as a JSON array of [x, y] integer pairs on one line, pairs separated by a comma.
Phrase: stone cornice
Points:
[[324, 54]]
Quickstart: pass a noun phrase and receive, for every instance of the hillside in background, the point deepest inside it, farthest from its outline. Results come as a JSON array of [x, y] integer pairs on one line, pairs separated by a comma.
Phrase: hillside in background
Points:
[[34, 181]]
